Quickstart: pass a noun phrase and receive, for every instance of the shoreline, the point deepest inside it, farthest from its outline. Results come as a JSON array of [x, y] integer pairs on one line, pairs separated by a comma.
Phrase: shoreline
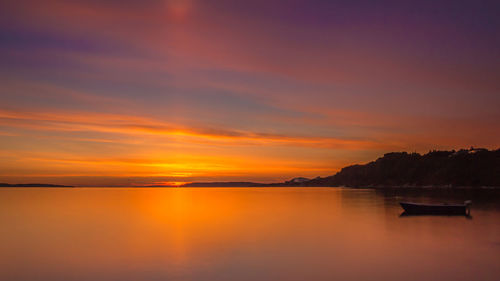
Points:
[[283, 186]]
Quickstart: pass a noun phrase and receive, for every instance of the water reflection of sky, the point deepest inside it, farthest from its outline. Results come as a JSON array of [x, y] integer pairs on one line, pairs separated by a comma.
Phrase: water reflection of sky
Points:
[[238, 234]]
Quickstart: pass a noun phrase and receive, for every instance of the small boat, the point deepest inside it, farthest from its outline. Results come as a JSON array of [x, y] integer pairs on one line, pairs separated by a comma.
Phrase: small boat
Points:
[[436, 209]]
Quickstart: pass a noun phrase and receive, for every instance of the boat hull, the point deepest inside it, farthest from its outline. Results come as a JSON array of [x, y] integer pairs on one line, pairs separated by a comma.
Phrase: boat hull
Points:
[[434, 209]]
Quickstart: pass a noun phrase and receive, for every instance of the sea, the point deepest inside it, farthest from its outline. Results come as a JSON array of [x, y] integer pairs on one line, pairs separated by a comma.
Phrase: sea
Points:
[[306, 233]]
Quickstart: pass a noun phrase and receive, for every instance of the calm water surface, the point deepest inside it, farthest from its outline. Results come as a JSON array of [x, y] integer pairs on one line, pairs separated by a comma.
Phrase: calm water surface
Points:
[[242, 234]]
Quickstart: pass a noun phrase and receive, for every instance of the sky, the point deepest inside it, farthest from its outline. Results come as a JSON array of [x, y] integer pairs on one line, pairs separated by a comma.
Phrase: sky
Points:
[[121, 92]]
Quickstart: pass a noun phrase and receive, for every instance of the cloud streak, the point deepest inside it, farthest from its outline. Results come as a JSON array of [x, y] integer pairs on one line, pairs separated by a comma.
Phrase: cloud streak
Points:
[[133, 125]]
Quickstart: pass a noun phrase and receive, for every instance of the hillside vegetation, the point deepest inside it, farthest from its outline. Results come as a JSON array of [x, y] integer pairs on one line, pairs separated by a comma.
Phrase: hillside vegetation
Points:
[[471, 167]]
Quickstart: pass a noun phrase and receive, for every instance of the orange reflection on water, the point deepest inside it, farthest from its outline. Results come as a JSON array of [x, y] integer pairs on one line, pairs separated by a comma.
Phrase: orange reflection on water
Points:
[[235, 234]]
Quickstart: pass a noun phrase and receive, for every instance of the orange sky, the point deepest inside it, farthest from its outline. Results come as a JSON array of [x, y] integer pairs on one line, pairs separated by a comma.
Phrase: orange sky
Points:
[[144, 92]]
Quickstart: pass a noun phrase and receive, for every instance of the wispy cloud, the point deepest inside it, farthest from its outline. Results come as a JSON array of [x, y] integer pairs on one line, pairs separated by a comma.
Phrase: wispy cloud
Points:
[[134, 125]]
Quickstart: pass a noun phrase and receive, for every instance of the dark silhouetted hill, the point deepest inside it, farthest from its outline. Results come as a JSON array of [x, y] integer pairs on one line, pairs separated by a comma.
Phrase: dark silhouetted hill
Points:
[[463, 168]]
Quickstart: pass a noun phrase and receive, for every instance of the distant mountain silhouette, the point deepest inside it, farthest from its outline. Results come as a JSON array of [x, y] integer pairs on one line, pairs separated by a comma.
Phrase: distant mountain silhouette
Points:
[[463, 168], [221, 184], [32, 185]]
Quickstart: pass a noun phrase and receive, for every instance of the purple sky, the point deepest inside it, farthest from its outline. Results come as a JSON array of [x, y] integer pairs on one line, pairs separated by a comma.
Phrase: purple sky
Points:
[[135, 92]]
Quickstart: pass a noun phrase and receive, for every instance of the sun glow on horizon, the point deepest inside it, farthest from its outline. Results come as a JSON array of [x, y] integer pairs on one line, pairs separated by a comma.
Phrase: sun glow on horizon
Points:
[[169, 183]]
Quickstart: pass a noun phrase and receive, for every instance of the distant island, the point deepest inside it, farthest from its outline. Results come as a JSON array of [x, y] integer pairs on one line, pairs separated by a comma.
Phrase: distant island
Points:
[[32, 185], [244, 183], [222, 184]]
